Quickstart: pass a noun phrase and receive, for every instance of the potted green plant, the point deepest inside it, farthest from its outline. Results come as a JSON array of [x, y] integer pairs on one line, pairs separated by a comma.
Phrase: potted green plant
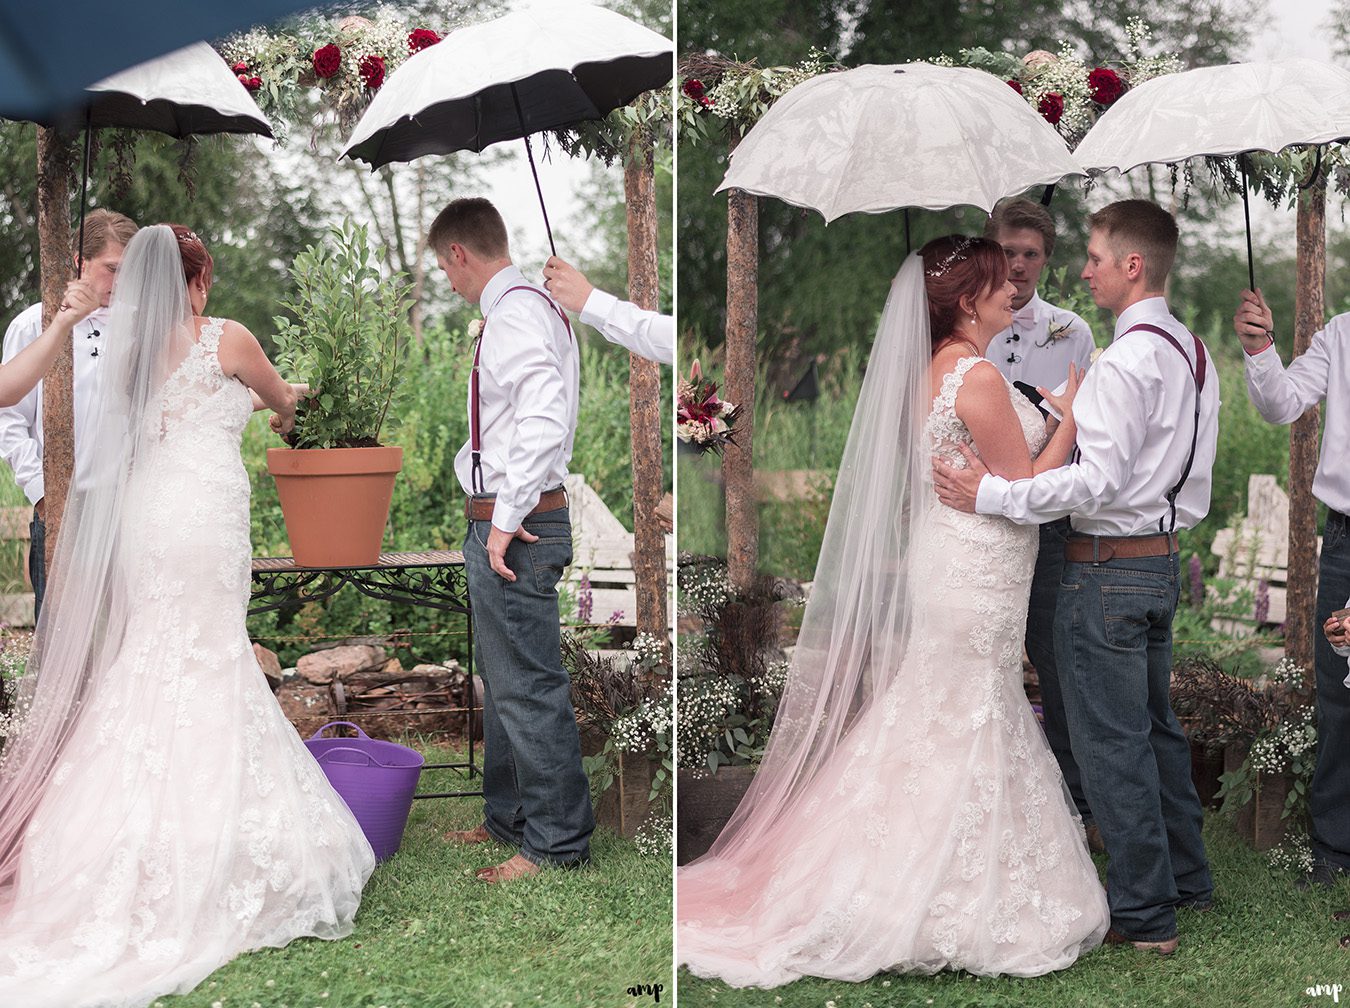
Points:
[[349, 344]]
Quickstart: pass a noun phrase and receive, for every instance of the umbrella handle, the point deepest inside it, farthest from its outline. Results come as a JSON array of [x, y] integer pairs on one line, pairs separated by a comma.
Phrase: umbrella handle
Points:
[[529, 152], [84, 192], [1247, 220]]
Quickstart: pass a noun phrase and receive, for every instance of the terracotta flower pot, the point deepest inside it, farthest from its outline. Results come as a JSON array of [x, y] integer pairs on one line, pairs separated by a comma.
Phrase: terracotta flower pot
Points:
[[335, 501]]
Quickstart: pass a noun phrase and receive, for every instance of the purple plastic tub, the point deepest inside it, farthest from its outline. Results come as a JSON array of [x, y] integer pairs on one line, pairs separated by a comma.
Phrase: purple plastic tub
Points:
[[375, 778]]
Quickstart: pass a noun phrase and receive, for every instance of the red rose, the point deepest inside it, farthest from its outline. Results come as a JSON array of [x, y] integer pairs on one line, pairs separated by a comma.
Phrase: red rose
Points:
[[253, 83], [693, 88], [240, 67], [372, 71], [1105, 86], [421, 38], [327, 60], [1051, 107], [1015, 85]]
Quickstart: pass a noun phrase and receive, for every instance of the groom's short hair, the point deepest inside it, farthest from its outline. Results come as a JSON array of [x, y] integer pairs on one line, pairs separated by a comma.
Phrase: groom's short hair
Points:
[[1137, 225], [472, 222], [1017, 214]]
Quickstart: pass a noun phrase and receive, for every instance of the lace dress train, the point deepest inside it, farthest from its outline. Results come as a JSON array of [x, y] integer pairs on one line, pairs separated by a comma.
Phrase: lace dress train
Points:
[[186, 822], [940, 835]]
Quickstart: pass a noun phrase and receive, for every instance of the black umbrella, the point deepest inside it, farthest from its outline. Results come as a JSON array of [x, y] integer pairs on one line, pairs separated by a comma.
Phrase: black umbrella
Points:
[[538, 69], [188, 92], [51, 51]]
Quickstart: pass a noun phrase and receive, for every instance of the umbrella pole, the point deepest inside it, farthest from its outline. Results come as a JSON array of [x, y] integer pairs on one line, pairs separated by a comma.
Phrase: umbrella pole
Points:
[[529, 152], [1247, 219], [84, 194]]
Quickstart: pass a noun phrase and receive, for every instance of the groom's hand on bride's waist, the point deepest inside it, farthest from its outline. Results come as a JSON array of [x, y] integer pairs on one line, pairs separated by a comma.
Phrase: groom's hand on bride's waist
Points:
[[497, 543], [957, 488]]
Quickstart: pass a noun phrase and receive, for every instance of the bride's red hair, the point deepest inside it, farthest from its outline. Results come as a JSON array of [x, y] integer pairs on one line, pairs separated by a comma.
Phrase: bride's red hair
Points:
[[197, 262], [954, 267]]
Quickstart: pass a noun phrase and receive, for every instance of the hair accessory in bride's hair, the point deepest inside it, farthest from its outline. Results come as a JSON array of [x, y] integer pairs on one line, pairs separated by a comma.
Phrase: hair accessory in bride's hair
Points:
[[956, 255], [189, 236]]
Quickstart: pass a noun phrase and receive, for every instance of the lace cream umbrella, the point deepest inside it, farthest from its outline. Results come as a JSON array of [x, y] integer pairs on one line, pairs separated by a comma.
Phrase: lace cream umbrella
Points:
[[1222, 111], [880, 138]]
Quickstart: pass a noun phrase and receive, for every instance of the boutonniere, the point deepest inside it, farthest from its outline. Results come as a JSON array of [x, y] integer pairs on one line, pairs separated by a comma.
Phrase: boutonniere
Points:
[[475, 329], [1057, 332], [1092, 357]]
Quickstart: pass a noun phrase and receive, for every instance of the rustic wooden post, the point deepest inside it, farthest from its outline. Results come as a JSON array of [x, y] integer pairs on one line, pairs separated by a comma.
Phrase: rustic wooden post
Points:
[[644, 395], [739, 385], [1309, 308], [56, 166]]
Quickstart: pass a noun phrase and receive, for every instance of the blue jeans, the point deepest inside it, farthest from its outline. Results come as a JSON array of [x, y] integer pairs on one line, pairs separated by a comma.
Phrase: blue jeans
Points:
[[1040, 643], [1329, 796], [535, 794], [37, 562], [1113, 639]]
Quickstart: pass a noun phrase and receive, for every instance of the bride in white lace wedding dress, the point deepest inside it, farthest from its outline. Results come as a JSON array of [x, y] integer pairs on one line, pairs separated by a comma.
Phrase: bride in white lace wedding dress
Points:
[[909, 814], [158, 814]]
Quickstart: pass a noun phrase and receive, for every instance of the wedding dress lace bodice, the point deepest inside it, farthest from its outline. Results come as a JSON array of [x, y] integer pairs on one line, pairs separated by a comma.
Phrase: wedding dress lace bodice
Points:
[[186, 822], [939, 835], [945, 429]]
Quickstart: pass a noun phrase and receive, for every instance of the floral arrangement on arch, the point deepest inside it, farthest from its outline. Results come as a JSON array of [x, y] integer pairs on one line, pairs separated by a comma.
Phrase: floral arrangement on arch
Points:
[[702, 420], [1068, 92], [1062, 87], [346, 60]]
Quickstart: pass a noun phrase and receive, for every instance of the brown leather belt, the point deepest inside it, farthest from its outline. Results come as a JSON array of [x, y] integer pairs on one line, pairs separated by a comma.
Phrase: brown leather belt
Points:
[[480, 506], [1094, 549]]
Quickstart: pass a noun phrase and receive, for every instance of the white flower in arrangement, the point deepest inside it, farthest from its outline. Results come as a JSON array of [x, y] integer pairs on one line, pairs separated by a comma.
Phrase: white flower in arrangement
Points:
[[475, 329]]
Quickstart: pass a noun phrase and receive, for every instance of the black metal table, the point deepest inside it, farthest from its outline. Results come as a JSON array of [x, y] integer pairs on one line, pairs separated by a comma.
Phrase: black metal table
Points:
[[432, 579]]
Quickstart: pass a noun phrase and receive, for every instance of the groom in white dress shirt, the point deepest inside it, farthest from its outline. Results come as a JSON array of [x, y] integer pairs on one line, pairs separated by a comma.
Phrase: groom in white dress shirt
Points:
[[536, 798], [1036, 351], [1147, 416], [106, 234]]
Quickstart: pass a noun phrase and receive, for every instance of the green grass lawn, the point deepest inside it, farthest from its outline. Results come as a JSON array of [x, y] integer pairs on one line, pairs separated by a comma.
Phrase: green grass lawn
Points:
[[1265, 944], [430, 935]]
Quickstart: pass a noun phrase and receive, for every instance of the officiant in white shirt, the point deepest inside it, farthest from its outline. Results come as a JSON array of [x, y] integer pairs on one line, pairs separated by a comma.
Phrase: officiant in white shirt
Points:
[[1036, 351], [1281, 395], [106, 234], [1147, 417]]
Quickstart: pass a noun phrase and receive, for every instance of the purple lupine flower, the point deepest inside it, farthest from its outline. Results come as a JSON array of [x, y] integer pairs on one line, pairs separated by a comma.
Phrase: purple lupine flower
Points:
[[1262, 601], [1197, 581], [616, 616], [585, 601]]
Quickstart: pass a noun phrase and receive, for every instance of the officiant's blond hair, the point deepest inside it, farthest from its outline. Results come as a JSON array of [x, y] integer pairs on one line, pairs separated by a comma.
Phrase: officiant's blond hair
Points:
[[472, 222], [1022, 214], [1137, 225]]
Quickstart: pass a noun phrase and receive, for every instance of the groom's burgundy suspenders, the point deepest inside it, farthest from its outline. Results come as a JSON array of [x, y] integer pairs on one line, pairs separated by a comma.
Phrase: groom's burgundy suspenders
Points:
[[475, 428], [1198, 371]]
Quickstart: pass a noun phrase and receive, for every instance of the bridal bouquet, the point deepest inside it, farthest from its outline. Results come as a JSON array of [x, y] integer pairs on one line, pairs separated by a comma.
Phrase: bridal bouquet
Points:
[[703, 420]]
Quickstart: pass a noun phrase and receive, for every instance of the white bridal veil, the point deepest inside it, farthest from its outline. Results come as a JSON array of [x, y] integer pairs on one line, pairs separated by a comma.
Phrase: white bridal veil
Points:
[[87, 605], [857, 621]]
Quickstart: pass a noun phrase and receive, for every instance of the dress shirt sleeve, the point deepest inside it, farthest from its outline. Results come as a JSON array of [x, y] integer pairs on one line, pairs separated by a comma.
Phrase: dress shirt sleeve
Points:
[[646, 333], [1111, 410], [522, 356], [18, 446], [1281, 394]]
